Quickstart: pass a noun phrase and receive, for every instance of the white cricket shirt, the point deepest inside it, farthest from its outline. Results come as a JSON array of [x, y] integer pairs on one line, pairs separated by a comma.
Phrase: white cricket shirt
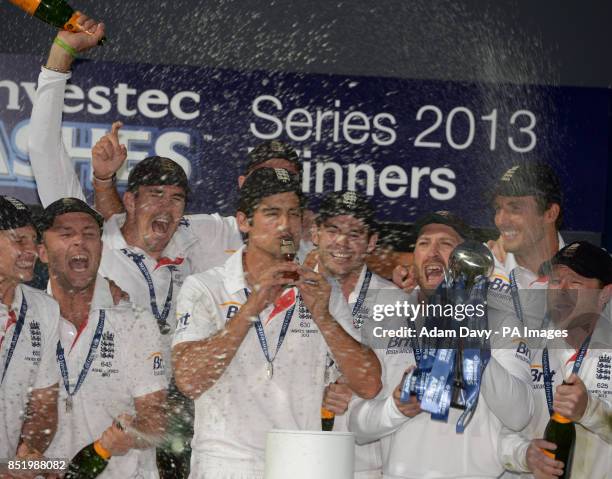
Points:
[[232, 417], [32, 364], [593, 450], [419, 447], [127, 364]]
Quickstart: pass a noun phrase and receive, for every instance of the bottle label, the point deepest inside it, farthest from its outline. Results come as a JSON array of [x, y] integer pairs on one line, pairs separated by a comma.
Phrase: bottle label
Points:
[[28, 6]]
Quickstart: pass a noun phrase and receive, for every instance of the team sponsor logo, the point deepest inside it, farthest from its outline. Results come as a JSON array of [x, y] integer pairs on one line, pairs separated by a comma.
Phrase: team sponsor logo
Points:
[[537, 376], [499, 285], [232, 308], [183, 321], [522, 351], [157, 363], [398, 346], [184, 222]]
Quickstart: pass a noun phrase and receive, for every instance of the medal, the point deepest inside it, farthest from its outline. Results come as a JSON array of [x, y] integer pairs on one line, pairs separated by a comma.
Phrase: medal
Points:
[[270, 369], [69, 404]]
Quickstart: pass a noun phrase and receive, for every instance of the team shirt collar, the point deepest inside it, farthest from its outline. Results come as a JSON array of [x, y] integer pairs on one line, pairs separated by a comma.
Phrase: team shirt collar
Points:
[[233, 273], [178, 246], [511, 264]]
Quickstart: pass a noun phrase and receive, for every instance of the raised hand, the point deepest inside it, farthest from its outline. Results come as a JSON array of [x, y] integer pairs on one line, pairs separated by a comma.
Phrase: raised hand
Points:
[[108, 155], [88, 37]]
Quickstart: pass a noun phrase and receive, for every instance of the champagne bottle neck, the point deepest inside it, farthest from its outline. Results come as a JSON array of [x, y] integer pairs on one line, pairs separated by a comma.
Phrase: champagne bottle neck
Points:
[[560, 419], [101, 451]]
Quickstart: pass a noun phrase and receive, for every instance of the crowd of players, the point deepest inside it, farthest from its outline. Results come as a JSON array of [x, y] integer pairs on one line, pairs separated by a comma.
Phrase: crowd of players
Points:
[[151, 315]]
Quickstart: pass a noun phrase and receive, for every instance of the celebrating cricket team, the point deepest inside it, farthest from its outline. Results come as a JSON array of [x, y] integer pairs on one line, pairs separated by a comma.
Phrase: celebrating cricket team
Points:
[[168, 345]]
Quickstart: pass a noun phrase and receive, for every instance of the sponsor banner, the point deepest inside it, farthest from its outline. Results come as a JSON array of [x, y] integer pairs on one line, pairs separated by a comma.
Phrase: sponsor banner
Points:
[[413, 145]]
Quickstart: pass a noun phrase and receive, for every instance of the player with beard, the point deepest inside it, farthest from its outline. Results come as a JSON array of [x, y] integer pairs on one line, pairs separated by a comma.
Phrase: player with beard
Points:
[[105, 373], [413, 445], [245, 338], [28, 336], [345, 234], [579, 287]]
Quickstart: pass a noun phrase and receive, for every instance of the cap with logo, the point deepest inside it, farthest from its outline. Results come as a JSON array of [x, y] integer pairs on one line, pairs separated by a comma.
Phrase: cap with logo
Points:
[[443, 217], [265, 182], [530, 178], [351, 203], [14, 214], [586, 259], [157, 171], [63, 206], [269, 150]]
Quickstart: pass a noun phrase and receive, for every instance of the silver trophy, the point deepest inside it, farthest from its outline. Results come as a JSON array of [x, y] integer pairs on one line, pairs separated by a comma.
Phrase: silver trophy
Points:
[[468, 261]]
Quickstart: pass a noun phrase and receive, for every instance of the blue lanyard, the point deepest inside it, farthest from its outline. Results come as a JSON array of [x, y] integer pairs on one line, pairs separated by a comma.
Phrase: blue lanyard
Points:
[[548, 389], [516, 300], [16, 332], [356, 313], [138, 260], [261, 335], [90, 357]]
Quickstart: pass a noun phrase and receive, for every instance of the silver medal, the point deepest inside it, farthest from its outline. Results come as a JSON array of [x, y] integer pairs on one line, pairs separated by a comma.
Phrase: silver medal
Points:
[[269, 369], [69, 404]]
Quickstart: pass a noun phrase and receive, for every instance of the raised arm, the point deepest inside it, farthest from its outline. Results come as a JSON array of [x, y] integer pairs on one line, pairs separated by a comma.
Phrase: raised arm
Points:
[[51, 164]]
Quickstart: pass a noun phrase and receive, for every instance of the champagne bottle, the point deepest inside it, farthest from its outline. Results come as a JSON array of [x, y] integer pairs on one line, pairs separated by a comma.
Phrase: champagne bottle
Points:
[[562, 432], [55, 12], [88, 463], [327, 419]]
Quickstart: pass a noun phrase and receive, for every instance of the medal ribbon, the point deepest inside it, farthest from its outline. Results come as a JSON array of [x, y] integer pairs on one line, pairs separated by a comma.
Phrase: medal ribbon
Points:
[[138, 260], [88, 360], [16, 332], [261, 335], [548, 388]]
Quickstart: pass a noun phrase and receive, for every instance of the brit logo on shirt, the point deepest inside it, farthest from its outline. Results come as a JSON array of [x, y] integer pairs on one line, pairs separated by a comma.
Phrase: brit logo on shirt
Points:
[[35, 334], [604, 368], [107, 345]]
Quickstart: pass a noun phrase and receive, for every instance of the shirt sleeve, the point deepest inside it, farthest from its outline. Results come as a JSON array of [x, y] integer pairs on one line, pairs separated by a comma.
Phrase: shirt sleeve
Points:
[[145, 364], [506, 382], [51, 164], [375, 418], [512, 450], [217, 238], [196, 313], [48, 371]]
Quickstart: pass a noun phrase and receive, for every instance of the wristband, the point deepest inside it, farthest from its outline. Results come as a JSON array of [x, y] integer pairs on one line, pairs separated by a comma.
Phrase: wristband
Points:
[[111, 179], [70, 50]]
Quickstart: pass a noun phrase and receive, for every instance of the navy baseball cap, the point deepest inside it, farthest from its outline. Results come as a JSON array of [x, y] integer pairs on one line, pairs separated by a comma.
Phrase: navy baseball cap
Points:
[[157, 171], [265, 182], [586, 259], [63, 206], [443, 217], [14, 214], [349, 203], [530, 178], [270, 150]]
